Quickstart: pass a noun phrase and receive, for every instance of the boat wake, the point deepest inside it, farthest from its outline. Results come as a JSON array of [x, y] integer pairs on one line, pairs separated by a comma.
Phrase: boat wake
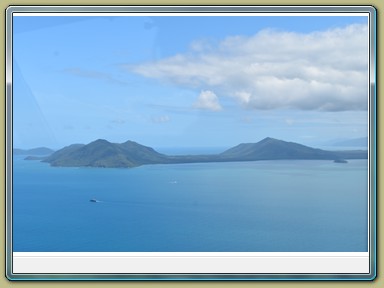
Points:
[[94, 200]]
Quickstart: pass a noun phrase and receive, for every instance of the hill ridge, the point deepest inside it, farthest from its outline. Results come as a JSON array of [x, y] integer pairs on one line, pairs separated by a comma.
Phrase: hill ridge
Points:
[[102, 153]]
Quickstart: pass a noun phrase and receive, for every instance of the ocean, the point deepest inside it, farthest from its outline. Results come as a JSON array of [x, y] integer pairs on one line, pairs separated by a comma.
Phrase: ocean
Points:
[[260, 206]]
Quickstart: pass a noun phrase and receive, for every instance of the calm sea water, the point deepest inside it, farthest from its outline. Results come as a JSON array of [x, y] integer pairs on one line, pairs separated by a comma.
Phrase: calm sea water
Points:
[[262, 206]]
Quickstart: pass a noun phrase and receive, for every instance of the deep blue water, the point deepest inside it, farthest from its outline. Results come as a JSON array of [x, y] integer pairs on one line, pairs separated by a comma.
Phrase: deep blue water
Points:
[[262, 206]]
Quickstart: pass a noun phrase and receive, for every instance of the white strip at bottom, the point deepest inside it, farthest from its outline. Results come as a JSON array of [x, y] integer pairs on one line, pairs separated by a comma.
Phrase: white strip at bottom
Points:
[[187, 263]]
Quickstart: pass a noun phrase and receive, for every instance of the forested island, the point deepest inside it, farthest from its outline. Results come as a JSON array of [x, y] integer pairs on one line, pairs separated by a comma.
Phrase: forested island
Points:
[[101, 153]]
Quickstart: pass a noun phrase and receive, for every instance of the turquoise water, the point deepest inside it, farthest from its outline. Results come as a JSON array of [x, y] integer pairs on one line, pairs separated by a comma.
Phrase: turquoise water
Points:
[[261, 206]]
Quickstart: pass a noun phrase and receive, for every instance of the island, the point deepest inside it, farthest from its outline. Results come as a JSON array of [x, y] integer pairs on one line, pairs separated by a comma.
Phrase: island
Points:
[[102, 153], [40, 151]]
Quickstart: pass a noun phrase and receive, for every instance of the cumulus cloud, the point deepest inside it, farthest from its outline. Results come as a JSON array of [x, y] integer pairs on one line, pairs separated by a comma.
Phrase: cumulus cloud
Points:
[[323, 70], [208, 100]]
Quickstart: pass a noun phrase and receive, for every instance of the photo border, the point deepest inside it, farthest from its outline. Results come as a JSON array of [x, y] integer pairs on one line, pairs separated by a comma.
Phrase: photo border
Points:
[[171, 8]]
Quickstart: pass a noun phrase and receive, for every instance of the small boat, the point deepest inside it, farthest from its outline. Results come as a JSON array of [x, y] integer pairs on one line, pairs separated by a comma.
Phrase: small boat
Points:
[[94, 200], [340, 161]]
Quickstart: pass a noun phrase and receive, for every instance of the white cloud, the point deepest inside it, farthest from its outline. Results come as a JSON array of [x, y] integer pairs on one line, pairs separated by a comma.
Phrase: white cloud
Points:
[[324, 70], [208, 100], [160, 119]]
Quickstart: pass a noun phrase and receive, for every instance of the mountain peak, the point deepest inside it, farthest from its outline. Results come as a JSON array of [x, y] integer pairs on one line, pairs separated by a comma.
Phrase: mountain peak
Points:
[[100, 141], [102, 153], [269, 139], [130, 142], [274, 149]]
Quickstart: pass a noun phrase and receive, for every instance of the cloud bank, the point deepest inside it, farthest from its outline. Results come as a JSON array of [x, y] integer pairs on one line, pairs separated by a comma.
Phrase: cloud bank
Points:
[[323, 70]]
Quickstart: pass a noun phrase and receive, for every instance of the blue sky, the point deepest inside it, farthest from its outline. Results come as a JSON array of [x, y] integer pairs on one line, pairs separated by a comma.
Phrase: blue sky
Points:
[[188, 81]]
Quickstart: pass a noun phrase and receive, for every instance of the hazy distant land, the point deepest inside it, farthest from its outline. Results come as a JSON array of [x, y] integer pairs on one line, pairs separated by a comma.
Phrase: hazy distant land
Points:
[[41, 151]]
